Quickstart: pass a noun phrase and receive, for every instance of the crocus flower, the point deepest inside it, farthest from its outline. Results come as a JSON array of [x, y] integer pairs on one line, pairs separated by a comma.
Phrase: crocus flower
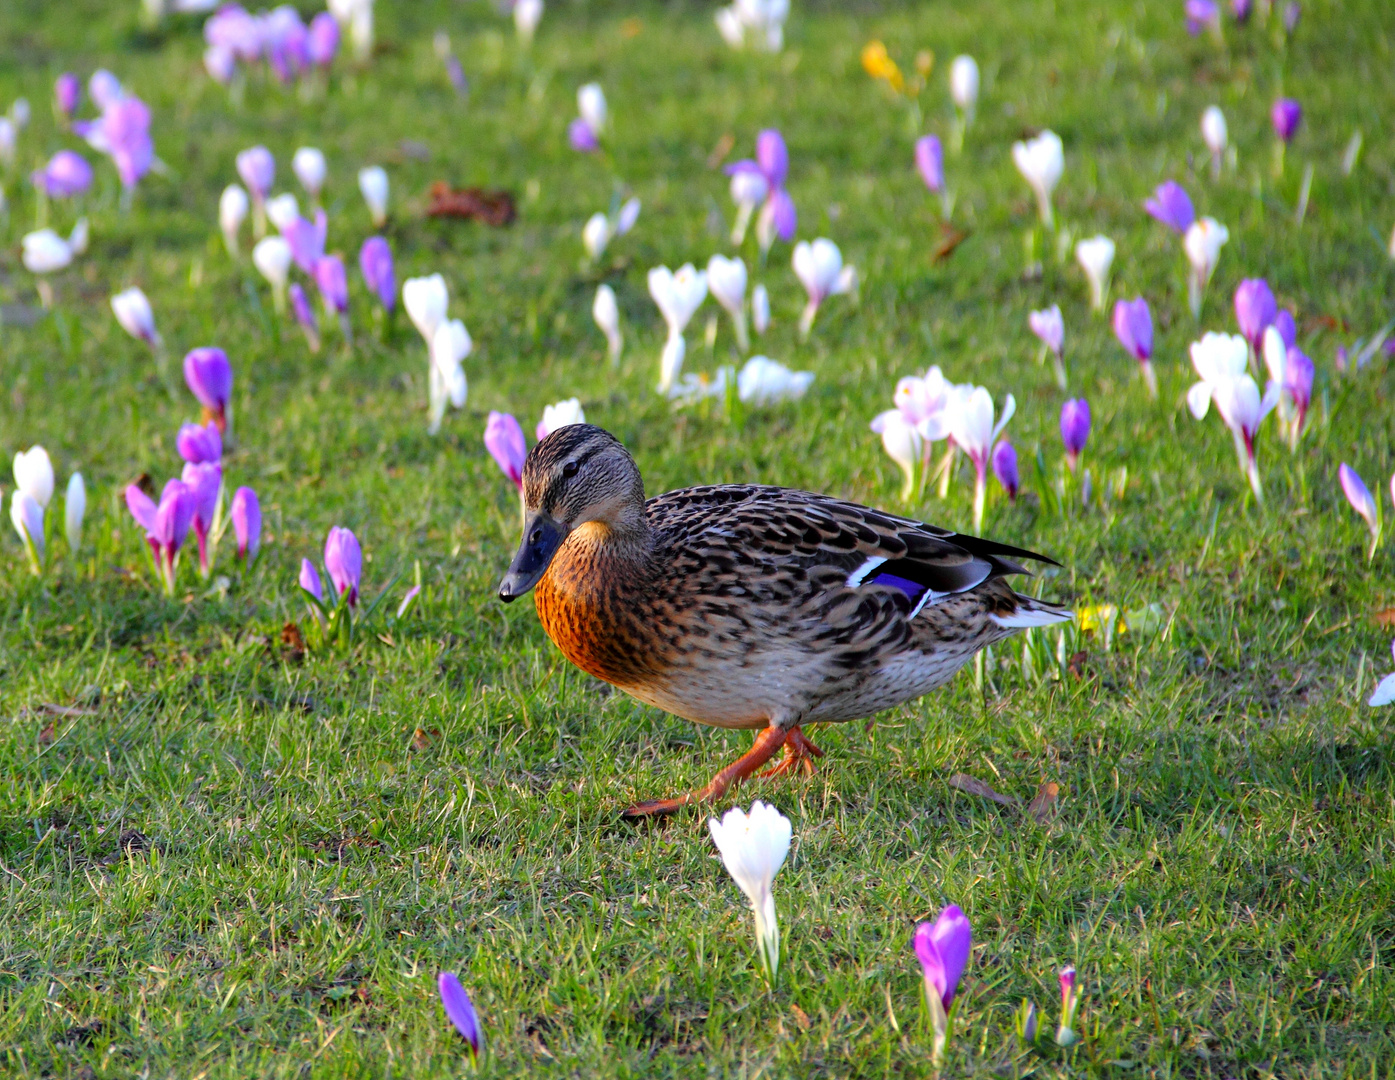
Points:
[[322, 40], [104, 88], [943, 950], [44, 252], [33, 472], [1215, 135], [449, 346], [1286, 116], [1203, 243], [426, 300], [125, 132], [760, 309], [357, 17], [74, 510], [232, 212], [1050, 327], [964, 83], [1041, 161], [929, 160], [205, 483], [166, 525], [309, 580], [1291, 370], [526, 16], [1385, 689], [1287, 328], [678, 296], [1005, 468], [903, 444], [1201, 15], [777, 216], [1075, 428], [233, 29], [283, 211], [1133, 326], [1255, 310], [373, 183], [1221, 360], [1096, 256], [333, 283], [375, 262], [590, 103], [305, 316], [344, 562], [559, 415], [1172, 206], [763, 381], [257, 168], [309, 167], [134, 313], [461, 1012], [1363, 502], [503, 438], [726, 280], [1070, 1001], [67, 93], [199, 445], [1292, 12], [581, 137], [27, 516], [974, 431], [273, 257], [595, 235], [246, 514], [1241, 9], [819, 267], [606, 312], [748, 190], [66, 175], [220, 63], [753, 847], [209, 377]]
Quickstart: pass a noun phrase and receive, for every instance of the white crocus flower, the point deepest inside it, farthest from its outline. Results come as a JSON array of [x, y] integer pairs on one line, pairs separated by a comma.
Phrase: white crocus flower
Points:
[[283, 211], [748, 190], [1041, 161], [678, 295], [590, 103], [819, 267], [729, 26], [373, 183], [559, 415], [595, 235], [1202, 243], [272, 258], [356, 16], [74, 510], [1222, 361], [760, 309], [28, 518], [526, 16], [1216, 135], [903, 445], [753, 847], [8, 136], [426, 300], [627, 216], [34, 474], [134, 313], [764, 382], [1096, 256], [964, 83], [310, 169], [45, 252], [450, 344], [233, 205], [606, 312], [1385, 689], [726, 280], [671, 363], [971, 425], [77, 239]]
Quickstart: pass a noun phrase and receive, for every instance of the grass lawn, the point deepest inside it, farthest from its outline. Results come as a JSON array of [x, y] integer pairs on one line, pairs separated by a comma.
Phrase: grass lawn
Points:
[[221, 856]]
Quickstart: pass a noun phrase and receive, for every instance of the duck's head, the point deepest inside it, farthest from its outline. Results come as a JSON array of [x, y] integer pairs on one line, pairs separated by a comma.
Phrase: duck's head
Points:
[[579, 475]]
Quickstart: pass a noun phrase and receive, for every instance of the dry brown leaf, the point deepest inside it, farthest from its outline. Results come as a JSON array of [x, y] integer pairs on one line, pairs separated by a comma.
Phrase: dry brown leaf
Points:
[[800, 1017], [950, 239], [719, 153], [1043, 807], [48, 734], [1385, 617], [473, 204], [966, 783]]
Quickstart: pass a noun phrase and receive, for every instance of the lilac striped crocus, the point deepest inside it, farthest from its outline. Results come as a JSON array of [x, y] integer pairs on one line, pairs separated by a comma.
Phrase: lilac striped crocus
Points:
[[209, 377], [205, 483], [375, 262], [166, 525], [246, 514], [1005, 468], [943, 949], [461, 1012], [1255, 310], [1075, 428], [1133, 326], [199, 445], [929, 160], [67, 94], [344, 562], [309, 580], [1172, 206], [503, 438]]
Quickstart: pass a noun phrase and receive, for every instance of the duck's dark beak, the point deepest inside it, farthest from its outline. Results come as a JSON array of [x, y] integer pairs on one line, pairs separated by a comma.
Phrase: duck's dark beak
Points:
[[542, 536]]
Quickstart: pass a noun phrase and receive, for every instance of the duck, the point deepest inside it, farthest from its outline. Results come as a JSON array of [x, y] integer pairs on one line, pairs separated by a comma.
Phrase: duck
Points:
[[751, 606]]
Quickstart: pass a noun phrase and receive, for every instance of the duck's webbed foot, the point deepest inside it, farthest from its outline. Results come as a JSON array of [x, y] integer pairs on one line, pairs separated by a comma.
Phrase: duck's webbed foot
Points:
[[767, 743], [799, 756]]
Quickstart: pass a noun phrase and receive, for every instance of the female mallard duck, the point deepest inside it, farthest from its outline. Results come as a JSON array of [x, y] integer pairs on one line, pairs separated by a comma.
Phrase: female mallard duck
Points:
[[746, 606]]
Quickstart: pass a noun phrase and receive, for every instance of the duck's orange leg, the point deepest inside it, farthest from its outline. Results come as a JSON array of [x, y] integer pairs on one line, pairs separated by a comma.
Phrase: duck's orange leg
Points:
[[799, 754], [767, 743]]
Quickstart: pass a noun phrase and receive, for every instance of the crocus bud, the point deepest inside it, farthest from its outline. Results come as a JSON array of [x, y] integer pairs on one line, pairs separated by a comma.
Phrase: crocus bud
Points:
[[595, 235], [964, 82], [309, 579], [929, 160], [1286, 115], [503, 438], [209, 377], [449, 346], [1041, 161], [283, 210], [1049, 326], [305, 316], [1214, 131], [1172, 206], [590, 102], [461, 1013], [232, 212], [760, 309], [943, 949], [1096, 256], [526, 16], [333, 283], [581, 137], [66, 175], [307, 240], [606, 312], [1075, 428], [375, 261], [1361, 499], [559, 415], [74, 510], [903, 445], [199, 445], [44, 252], [272, 257], [27, 516], [627, 216], [133, 312], [426, 300], [67, 93], [373, 183], [1255, 310], [1027, 1023], [77, 239], [671, 362], [819, 267], [1203, 243], [309, 167], [1005, 468], [204, 482], [1201, 15], [220, 63], [34, 474], [104, 89], [1133, 326], [1070, 1001], [344, 562], [726, 281], [246, 513], [257, 168], [322, 40]]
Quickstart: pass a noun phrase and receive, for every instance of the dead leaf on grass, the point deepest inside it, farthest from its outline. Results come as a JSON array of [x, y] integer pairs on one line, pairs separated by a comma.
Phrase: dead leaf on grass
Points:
[[475, 204], [1043, 806], [1385, 617], [48, 734], [800, 1017], [719, 153], [950, 238], [966, 783]]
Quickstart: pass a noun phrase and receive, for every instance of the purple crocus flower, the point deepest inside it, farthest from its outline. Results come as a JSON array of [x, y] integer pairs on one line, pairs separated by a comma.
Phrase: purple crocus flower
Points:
[[199, 445], [67, 174], [104, 89], [305, 316], [1005, 468], [1288, 330], [943, 949], [772, 162], [307, 240], [209, 376], [246, 514], [220, 63], [375, 261], [503, 438], [126, 130], [333, 283], [1359, 495], [1286, 116], [1049, 326], [1075, 428], [1241, 9], [1070, 1001], [231, 27], [67, 93], [929, 159], [166, 525], [1298, 384], [258, 171], [310, 580], [772, 157], [1172, 206], [782, 214], [1255, 310], [1201, 14], [1292, 12], [456, 74], [283, 41], [322, 42], [1133, 326], [582, 138], [461, 1012], [344, 562], [204, 482]]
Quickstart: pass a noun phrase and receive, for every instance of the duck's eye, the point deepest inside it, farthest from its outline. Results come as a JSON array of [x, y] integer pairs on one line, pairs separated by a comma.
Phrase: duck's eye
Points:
[[570, 468]]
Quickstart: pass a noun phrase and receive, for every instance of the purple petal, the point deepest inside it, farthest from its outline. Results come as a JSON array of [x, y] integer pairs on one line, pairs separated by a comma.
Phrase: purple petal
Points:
[[460, 1010]]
